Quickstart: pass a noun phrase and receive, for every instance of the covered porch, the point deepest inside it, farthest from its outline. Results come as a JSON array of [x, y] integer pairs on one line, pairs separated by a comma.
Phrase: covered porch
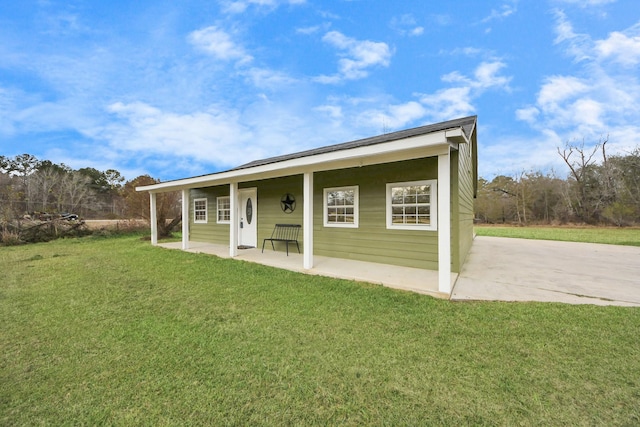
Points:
[[405, 278], [410, 242]]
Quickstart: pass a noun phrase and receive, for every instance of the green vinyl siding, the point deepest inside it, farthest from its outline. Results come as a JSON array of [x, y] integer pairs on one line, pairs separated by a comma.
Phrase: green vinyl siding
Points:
[[372, 241], [211, 232], [270, 192], [455, 211], [464, 195], [268, 207], [462, 203]]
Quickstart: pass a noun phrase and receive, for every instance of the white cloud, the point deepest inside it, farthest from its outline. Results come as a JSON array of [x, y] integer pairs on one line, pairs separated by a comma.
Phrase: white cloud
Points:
[[214, 136], [444, 104], [218, 43], [268, 79], [557, 89], [457, 101], [485, 76], [309, 30], [466, 51], [393, 117], [406, 25], [217, 137], [504, 11], [441, 19], [8, 103], [587, 3], [565, 102], [402, 114], [577, 45], [512, 154], [449, 103], [239, 6], [582, 107], [333, 111], [588, 112], [600, 98], [620, 47], [64, 23], [529, 114], [357, 57]]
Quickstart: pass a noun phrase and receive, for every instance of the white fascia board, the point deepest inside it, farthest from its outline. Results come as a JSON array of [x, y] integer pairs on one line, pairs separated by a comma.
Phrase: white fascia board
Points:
[[419, 146], [456, 135]]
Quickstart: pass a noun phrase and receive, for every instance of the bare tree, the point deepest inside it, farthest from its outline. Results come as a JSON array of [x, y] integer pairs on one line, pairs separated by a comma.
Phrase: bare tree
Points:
[[137, 204], [589, 195], [74, 191], [43, 183]]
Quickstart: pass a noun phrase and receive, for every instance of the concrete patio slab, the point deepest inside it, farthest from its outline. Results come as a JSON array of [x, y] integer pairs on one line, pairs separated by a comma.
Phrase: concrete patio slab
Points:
[[508, 269], [409, 279], [497, 269]]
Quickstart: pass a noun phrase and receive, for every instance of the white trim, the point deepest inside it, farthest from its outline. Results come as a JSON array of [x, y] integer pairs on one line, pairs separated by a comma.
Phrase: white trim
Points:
[[433, 206], [356, 202], [185, 219], [307, 220], [206, 211], [457, 134], [233, 228], [427, 145], [444, 232], [218, 220], [153, 218]]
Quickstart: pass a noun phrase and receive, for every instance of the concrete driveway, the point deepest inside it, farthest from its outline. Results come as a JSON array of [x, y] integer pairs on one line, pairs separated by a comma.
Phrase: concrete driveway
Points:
[[506, 269]]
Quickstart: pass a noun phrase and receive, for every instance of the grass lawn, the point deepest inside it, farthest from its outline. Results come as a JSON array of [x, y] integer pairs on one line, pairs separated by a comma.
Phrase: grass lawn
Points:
[[608, 235], [114, 331]]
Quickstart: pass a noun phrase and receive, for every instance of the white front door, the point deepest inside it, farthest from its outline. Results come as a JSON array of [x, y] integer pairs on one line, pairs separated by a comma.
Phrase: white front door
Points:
[[248, 217]]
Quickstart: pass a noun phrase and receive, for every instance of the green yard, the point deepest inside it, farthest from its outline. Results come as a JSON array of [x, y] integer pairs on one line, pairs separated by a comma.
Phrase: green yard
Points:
[[609, 235], [113, 331]]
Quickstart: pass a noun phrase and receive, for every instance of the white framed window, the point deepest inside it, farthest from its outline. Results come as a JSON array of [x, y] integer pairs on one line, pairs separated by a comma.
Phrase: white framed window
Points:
[[341, 207], [223, 210], [199, 211], [412, 205]]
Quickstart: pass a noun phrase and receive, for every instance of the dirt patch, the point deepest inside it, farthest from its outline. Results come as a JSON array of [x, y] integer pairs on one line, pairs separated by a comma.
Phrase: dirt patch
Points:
[[116, 224]]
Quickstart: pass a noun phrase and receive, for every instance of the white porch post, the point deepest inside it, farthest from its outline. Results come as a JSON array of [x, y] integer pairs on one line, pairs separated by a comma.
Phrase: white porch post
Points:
[[233, 226], [307, 220], [185, 219], [153, 219], [444, 223]]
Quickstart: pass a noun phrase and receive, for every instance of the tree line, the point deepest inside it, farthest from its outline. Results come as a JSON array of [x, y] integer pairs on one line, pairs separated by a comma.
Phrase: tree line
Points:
[[598, 189], [31, 188]]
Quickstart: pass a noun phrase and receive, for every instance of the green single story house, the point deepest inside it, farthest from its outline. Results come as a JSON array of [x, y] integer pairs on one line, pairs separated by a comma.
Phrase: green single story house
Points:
[[404, 198]]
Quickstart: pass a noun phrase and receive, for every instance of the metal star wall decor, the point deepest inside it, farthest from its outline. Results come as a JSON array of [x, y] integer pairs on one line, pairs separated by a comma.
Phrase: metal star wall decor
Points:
[[288, 203]]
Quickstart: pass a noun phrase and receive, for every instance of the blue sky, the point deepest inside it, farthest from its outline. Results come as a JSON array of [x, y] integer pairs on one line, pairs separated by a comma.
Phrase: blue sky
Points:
[[181, 88]]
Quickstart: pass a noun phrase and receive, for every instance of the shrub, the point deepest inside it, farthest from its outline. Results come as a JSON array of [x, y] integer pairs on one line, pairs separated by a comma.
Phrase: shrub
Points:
[[9, 237]]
